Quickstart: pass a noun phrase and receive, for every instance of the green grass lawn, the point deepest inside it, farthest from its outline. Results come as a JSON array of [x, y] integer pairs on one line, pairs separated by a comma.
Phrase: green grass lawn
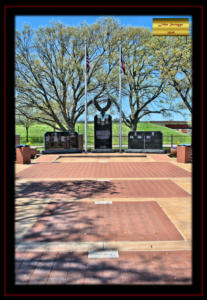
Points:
[[36, 133]]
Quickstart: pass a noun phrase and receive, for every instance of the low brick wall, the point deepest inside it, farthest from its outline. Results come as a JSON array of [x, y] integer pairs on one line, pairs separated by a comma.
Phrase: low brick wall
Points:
[[184, 154], [23, 155], [80, 141]]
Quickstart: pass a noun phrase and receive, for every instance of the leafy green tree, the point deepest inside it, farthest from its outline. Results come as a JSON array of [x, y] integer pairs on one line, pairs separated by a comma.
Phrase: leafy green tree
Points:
[[50, 74], [24, 119], [142, 86], [174, 58]]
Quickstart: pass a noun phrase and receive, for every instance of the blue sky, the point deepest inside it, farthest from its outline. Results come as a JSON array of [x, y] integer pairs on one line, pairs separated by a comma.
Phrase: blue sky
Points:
[[74, 20], [36, 21]]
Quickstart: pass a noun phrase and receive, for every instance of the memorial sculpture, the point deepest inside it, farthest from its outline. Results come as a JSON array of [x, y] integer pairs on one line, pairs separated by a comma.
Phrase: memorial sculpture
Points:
[[103, 128]]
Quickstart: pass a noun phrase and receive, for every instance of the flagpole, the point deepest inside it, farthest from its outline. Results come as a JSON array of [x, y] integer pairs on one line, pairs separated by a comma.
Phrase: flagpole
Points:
[[120, 101], [85, 98]]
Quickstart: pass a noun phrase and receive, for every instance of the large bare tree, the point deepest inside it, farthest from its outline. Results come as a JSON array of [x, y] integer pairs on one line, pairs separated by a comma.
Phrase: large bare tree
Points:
[[144, 90], [50, 70]]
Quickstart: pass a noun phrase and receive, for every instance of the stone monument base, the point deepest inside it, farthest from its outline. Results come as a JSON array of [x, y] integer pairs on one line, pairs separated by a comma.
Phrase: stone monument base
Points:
[[103, 151], [61, 151], [144, 151]]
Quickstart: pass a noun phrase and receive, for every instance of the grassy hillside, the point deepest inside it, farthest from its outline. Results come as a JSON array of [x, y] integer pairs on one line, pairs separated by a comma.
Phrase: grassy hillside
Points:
[[36, 133]]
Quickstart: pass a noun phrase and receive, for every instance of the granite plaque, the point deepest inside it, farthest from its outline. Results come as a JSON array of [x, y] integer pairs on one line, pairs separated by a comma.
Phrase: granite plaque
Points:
[[103, 202], [60, 140], [103, 253], [145, 140]]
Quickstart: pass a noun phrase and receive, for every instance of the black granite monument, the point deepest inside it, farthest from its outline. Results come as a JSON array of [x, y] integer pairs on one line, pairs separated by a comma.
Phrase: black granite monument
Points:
[[61, 142], [103, 128], [145, 141]]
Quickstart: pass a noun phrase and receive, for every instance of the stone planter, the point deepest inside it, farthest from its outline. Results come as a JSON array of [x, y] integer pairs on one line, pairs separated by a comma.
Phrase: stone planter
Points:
[[23, 155]]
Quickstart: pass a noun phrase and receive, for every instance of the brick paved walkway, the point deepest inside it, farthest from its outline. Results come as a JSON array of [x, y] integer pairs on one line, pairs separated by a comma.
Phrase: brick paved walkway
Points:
[[108, 189], [99, 170], [153, 267], [72, 221], [57, 220]]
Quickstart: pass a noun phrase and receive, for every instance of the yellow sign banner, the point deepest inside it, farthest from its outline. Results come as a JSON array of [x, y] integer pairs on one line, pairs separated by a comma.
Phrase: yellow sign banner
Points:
[[170, 27]]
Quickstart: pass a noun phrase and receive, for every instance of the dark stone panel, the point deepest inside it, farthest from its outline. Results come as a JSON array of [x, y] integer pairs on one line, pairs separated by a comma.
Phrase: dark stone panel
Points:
[[60, 140], [145, 140], [103, 131]]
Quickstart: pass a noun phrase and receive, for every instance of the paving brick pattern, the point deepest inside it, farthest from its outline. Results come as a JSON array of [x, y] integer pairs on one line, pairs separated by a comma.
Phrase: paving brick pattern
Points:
[[47, 158], [97, 170], [65, 221], [159, 157], [107, 189], [120, 221], [154, 267]]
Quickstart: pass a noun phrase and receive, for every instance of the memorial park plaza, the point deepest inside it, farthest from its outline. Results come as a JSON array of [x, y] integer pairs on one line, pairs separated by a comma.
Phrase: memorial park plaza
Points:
[[103, 218]]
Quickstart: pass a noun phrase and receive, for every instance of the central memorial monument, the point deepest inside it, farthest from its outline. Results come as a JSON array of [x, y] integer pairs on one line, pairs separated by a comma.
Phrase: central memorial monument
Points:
[[103, 129]]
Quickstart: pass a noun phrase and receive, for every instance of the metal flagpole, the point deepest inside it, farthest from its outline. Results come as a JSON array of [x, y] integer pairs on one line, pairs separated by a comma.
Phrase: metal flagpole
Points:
[[120, 121], [85, 98]]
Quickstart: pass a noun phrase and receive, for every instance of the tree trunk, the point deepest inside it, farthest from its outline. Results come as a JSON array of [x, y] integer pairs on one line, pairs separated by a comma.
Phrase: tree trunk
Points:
[[133, 126], [71, 126], [27, 134]]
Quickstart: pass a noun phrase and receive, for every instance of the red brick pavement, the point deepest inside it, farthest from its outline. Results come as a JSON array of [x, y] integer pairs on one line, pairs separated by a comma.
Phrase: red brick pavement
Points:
[[160, 157], [110, 170], [107, 189], [47, 158], [151, 267], [120, 221]]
